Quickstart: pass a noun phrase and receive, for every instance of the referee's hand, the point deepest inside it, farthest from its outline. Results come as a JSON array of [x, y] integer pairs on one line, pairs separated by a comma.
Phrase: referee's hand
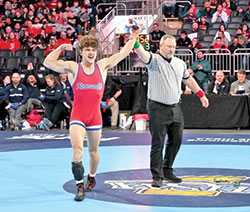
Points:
[[204, 101]]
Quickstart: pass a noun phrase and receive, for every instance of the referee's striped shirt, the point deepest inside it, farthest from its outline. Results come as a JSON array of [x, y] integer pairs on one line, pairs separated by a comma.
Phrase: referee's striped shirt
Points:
[[164, 79]]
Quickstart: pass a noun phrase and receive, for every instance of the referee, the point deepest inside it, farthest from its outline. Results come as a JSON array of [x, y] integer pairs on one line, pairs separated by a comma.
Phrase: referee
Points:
[[165, 74]]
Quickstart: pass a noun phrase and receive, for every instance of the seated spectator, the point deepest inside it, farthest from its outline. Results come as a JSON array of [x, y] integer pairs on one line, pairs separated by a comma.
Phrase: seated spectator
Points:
[[3, 112], [75, 8], [192, 15], [30, 45], [231, 5], [220, 15], [84, 17], [68, 91], [52, 46], [218, 46], [64, 26], [75, 22], [183, 40], [16, 97], [219, 85], [243, 13], [242, 39], [42, 40], [201, 68], [63, 39], [213, 4], [223, 38], [195, 45], [222, 28], [53, 99], [12, 43], [242, 85], [207, 11], [71, 35], [54, 34], [196, 32], [93, 13], [111, 93], [155, 37], [168, 8], [245, 31], [182, 8], [203, 23], [235, 45], [33, 87], [33, 31], [226, 9]]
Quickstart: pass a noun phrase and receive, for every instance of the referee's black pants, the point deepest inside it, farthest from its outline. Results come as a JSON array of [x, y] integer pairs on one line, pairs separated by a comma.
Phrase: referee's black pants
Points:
[[164, 119]]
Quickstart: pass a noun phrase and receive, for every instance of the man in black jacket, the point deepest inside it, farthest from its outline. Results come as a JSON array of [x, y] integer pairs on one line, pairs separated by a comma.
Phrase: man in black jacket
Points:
[[16, 97], [219, 85]]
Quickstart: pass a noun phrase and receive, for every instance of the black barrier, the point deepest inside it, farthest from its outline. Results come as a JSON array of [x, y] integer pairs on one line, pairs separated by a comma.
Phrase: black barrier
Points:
[[223, 112]]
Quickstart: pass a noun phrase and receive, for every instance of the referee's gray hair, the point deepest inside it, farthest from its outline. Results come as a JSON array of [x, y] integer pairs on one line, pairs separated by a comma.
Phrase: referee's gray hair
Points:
[[164, 37]]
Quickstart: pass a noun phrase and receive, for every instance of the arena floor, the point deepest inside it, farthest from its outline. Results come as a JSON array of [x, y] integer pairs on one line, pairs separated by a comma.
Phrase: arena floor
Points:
[[214, 164]]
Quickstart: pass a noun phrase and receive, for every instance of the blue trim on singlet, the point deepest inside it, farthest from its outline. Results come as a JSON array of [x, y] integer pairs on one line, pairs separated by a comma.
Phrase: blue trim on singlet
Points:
[[76, 75], [100, 73], [87, 73]]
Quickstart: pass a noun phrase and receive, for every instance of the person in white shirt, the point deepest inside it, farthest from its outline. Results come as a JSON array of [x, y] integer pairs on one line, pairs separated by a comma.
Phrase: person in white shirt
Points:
[[219, 15]]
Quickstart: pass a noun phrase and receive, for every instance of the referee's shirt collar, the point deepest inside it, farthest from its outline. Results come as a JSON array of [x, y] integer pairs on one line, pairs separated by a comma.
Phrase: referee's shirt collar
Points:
[[167, 59]]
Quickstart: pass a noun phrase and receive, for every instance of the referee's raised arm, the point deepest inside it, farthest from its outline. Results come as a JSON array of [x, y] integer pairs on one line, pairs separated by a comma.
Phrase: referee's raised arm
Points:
[[145, 55]]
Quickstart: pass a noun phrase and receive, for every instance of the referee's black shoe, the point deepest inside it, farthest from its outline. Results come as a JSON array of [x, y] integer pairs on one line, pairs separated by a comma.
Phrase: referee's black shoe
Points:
[[170, 177], [80, 193], [157, 183]]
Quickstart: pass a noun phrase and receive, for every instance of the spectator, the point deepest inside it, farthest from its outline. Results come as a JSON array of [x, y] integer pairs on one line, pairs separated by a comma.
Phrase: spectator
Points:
[[84, 17], [7, 8], [218, 46], [6, 34], [2, 44], [18, 17], [242, 85], [54, 34], [42, 40], [183, 40], [168, 8], [75, 44], [195, 32], [207, 11], [192, 15], [221, 35], [182, 7], [63, 39], [222, 28], [71, 35], [235, 45], [16, 97], [109, 100], [245, 31], [74, 22], [53, 101], [242, 39], [203, 23], [155, 37], [33, 87], [219, 15], [3, 112], [17, 30], [30, 45], [201, 68], [60, 7], [52, 46], [92, 13], [68, 91], [64, 26], [33, 31], [195, 45], [243, 13], [226, 9], [12, 43], [219, 85], [75, 8]]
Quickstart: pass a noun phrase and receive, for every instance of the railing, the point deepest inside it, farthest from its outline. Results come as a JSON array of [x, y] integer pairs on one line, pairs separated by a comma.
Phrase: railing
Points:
[[229, 63]]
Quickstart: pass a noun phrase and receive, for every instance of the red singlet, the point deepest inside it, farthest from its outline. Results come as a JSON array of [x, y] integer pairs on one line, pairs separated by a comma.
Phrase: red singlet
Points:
[[88, 91]]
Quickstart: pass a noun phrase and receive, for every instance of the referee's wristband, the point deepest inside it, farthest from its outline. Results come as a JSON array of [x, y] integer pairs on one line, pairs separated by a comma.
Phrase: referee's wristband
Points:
[[137, 44], [200, 93]]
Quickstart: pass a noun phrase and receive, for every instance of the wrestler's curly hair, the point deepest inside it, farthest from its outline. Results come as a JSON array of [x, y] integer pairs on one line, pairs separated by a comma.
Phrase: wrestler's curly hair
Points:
[[88, 41]]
